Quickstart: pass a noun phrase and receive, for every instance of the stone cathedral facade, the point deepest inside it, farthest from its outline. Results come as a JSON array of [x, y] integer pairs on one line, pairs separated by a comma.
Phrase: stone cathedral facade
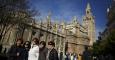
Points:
[[71, 37]]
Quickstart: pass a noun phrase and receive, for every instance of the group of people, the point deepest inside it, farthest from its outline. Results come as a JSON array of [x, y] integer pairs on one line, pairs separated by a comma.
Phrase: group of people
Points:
[[34, 50], [72, 56]]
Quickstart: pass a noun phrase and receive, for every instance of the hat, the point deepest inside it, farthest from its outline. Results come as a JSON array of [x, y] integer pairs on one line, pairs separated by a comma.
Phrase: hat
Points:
[[51, 43]]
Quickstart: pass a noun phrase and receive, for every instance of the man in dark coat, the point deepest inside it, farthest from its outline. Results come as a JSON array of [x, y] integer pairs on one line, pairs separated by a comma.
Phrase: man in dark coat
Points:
[[16, 51], [86, 54], [52, 53]]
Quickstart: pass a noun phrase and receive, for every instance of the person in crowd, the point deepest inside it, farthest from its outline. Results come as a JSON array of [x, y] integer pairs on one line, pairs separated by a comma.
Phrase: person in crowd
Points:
[[86, 54], [61, 55], [71, 56], [67, 56], [1, 48], [75, 56], [16, 51], [52, 53], [43, 51], [26, 49], [34, 50], [80, 57]]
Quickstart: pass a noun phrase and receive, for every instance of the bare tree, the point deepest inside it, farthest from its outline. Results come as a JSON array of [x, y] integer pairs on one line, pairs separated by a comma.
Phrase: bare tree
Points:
[[14, 13]]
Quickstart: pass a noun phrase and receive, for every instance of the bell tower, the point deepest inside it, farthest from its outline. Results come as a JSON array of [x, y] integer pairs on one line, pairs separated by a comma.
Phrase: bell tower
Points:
[[89, 24]]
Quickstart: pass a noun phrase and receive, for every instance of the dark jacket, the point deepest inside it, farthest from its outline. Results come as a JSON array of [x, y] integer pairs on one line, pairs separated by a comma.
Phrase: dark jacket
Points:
[[12, 53], [53, 55], [86, 55], [43, 54], [26, 51]]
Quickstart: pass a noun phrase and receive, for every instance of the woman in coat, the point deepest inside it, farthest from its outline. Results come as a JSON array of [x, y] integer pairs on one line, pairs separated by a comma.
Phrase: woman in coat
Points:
[[16, 51], [43, 51], [34, 50], [26, 49]]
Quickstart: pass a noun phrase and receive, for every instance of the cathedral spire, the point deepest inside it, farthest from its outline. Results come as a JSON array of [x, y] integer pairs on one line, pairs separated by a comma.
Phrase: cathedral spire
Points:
[[74, 20], [63, 27], [88, 6], [48, 18], [89, 24], [55, 27], [88, 9]]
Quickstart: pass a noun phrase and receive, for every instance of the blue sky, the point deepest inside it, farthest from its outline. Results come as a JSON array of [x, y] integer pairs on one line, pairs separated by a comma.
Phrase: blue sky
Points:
[[66, 9]]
